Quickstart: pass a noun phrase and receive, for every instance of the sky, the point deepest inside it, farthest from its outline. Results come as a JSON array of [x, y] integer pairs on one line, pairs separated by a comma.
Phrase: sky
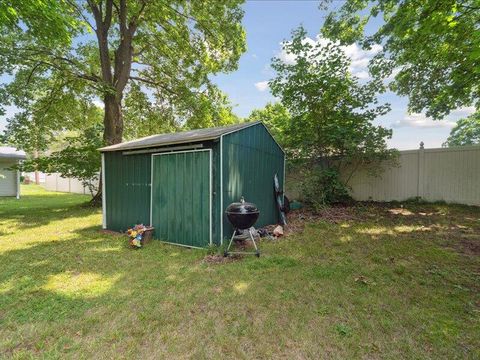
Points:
[[267, 24]]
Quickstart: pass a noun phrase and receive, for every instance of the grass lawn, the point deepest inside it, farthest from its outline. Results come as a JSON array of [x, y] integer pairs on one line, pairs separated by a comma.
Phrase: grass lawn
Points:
[[391, 283]]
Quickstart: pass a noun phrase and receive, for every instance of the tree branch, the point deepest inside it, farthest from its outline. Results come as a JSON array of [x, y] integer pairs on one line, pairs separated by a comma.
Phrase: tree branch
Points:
[[80, 13], [154, 83]]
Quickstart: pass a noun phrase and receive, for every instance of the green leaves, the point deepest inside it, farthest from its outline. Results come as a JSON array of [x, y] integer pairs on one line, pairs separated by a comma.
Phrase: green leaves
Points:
[[432, 44], [158, 52], [331, 112], [79, 159], [465, 132], [148, 61], [277, 118]]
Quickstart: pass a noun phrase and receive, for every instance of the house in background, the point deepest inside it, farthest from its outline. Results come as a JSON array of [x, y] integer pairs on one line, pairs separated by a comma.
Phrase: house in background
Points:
[[10, 179]]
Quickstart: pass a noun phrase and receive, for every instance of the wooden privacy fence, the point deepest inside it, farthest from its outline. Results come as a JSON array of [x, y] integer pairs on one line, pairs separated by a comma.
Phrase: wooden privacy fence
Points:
[[444, 174], [54, 182]]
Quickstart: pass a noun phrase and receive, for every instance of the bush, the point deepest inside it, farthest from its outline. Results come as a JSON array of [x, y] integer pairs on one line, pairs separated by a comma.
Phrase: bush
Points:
[[322, 187]]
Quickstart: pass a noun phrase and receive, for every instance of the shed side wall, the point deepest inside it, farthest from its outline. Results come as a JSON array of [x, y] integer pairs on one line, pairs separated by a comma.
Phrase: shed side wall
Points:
[[251, 157]]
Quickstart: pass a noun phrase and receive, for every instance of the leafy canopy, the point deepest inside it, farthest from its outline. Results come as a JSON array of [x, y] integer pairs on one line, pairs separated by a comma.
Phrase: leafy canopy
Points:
[[432, 47], [149, 62], [331, 110], [276, 117], [156, 53], [465, 132], [331, 113]]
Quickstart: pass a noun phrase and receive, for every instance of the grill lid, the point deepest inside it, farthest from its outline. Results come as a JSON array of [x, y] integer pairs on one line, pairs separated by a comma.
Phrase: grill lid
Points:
[[242, 207]]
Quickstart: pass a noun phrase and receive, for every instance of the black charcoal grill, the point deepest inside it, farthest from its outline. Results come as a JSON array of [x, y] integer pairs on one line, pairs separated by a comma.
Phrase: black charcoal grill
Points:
[[242, 215]]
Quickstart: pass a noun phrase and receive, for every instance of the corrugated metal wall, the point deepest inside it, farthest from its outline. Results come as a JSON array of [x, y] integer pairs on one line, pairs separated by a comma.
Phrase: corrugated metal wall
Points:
[[181, 196], [445, 174], [250, 159], [127, 187], [127, 184]]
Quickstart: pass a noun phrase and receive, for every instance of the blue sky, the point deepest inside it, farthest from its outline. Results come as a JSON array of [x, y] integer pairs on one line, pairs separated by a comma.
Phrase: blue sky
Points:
[[267, 24]]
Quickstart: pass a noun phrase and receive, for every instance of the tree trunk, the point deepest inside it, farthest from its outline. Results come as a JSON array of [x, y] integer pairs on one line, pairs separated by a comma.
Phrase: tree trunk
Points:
[[37, 175], [97, 198], [113, 119]]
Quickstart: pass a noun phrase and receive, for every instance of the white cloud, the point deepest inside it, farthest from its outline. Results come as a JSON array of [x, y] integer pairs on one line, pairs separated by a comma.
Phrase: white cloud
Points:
[[421, 121], [261, 85], [463, 111], [99, 103], [362, 74], [358, 56]]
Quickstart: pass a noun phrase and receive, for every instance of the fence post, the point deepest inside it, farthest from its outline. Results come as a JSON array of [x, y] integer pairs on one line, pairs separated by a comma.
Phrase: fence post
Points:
[[421, 171]]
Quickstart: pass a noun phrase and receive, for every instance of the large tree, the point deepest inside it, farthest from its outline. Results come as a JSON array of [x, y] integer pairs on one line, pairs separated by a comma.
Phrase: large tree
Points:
[[432, 47], [158, 51], [331, 111]]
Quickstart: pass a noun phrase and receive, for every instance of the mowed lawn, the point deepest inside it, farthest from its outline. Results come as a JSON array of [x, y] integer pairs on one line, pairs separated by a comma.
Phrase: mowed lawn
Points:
[[387, 282]]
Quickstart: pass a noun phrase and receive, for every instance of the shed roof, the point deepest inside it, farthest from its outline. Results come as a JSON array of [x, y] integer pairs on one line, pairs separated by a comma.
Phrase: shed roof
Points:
[[7, 152], [178, 138]]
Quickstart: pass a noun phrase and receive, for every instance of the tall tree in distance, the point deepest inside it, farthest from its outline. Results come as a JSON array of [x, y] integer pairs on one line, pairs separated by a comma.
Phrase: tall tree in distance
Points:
[[162, 49], [432, 47], [465, 132]]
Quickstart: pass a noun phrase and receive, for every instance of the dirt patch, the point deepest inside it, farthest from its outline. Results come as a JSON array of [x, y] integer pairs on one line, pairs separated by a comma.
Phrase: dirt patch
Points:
[[296, 220], [469, 246], [111, 232], [220, 259]]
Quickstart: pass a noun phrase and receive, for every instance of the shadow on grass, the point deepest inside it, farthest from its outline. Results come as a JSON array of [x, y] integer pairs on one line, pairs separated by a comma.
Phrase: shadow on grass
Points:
[[36, 210], [91, 283]]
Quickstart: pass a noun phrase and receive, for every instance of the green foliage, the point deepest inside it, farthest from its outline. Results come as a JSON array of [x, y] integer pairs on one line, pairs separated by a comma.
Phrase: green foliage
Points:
[[277, 119], [36, 128], [322, 187], [80, 159], [465, 132], [154, 56], [432, 45], [343, 330], [331, 113]]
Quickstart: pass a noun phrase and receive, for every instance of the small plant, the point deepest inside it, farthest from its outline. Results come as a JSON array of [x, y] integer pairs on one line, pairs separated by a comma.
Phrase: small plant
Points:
[[343, 330]]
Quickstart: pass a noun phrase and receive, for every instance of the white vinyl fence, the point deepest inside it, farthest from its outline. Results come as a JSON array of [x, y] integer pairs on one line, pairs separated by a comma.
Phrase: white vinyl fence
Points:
[[54, 182], [445, 174]]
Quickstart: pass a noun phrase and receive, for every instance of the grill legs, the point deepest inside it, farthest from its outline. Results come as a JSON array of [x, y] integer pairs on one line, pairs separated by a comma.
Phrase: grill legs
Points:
[[256, 253]]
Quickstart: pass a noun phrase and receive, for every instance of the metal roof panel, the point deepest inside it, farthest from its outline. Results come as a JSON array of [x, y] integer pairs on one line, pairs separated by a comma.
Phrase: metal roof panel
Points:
[[178, 137]]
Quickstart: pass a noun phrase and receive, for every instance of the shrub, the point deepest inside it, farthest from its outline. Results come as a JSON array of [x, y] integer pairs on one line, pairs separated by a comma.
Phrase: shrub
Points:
[[322, 187]]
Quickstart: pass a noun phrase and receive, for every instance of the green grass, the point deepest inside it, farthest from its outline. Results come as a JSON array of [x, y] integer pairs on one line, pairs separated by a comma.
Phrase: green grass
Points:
[[385, 285]]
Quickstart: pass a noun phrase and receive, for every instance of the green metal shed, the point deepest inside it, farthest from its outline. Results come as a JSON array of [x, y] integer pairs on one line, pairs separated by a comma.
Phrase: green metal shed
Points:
[[181, 183]]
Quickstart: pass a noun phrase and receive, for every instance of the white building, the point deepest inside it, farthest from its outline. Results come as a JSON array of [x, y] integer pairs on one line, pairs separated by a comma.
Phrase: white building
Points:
[[10, 179]]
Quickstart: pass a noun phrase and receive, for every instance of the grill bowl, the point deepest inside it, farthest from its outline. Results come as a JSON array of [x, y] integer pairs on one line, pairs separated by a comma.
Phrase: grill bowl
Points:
[[242, 215]]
